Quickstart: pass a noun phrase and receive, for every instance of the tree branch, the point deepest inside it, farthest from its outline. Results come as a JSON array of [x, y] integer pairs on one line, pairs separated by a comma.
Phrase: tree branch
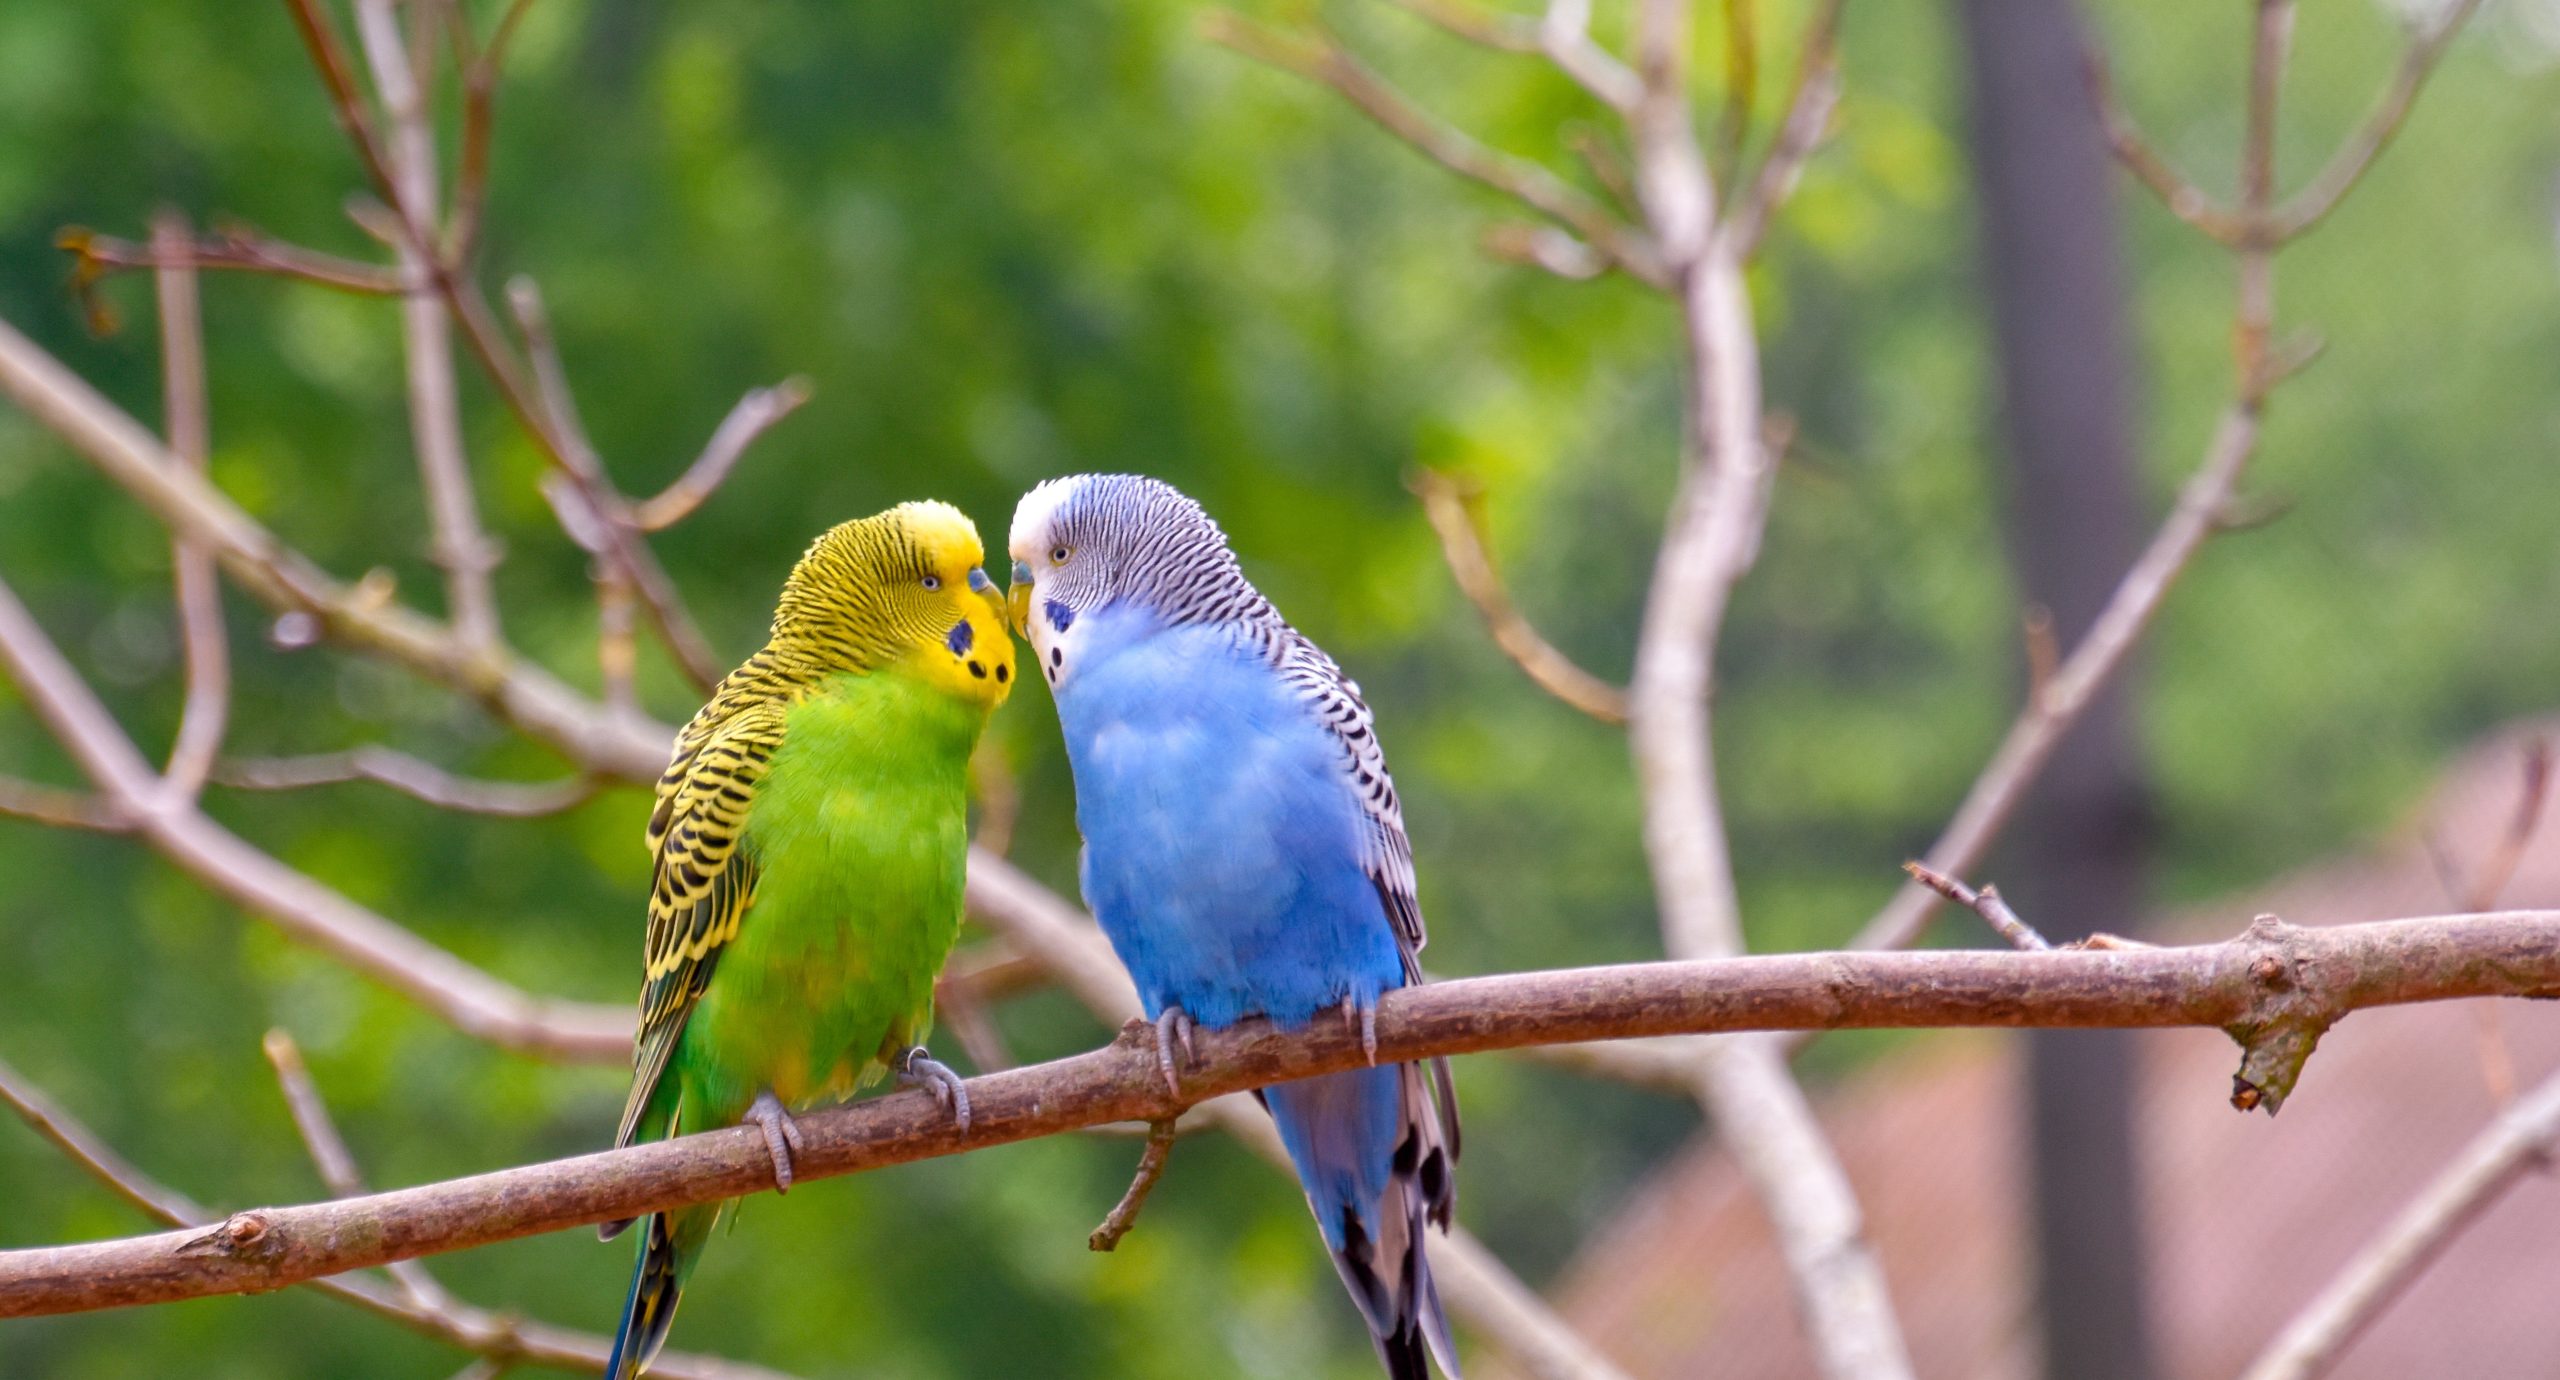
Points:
[[410, 776], [500, 1338], [461, 550], [1325, 62], [1444, 502], [752, 417], [2308, 207], [464, 996], [2272, 986], [198, 592]]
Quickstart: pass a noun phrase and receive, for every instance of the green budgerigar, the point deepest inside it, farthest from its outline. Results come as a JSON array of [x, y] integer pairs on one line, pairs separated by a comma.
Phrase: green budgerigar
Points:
[[811, 840]]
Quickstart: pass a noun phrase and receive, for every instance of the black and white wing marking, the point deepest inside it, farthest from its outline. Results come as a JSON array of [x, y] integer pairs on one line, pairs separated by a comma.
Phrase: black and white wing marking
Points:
[[1385, 853]]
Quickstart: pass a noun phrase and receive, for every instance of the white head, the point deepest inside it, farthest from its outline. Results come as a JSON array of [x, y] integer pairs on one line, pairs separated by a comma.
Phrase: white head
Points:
[[1087, 542]]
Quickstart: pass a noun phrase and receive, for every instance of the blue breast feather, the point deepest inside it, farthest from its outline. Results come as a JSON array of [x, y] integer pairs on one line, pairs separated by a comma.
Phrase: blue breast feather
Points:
[[1222, 830]]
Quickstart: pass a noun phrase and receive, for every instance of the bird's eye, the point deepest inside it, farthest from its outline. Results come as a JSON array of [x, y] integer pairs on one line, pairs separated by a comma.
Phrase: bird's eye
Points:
[[1058, 555], [932, 582]]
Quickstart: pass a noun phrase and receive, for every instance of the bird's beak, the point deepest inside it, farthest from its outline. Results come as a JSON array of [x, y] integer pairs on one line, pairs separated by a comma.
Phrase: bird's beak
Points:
[[1019, 597], [978, 580]]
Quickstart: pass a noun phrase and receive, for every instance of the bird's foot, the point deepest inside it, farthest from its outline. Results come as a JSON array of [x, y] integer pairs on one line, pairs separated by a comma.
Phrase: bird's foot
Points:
[[1365, 1020], [781, 1135], [1174, 1025], [918, 1069]]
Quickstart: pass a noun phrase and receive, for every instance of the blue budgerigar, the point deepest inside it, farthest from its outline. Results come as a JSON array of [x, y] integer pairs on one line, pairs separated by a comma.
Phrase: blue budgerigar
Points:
[[1245, 853]]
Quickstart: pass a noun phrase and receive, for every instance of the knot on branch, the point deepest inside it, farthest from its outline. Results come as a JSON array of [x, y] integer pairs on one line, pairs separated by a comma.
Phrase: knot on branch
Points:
[[241, 1236], [2286, 1017]]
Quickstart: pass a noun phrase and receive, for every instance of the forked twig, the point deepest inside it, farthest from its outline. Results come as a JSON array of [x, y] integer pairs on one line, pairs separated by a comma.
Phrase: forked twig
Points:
[[1124, 1214], [1444, 502]]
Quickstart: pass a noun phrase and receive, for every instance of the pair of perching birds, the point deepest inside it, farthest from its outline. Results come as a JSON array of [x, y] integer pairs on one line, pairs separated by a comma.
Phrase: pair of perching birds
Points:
[[1244, 852]]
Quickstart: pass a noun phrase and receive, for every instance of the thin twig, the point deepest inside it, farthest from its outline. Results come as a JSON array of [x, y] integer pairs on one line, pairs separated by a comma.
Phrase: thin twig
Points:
[[464, 996], [2277, 985], [198, 588], [751, 418], [411, 776], [1124, 1214], [499, 1338], [550, 412], [2309, 206], [1987, 903], [236, 249], [2522, 1138], [479, 119], [1322, 60], [51, 805], [1565, 34], [1810, 103], [460, 548], [2150, 167], [1444, 502], [330, 1156]]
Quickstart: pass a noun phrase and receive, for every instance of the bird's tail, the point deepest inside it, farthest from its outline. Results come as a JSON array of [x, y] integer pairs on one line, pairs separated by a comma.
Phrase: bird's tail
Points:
[[1376, 1159], [667, 1251]]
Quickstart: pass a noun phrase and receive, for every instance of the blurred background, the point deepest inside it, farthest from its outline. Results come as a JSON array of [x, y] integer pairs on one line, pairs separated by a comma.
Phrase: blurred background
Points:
[[1008, 241]]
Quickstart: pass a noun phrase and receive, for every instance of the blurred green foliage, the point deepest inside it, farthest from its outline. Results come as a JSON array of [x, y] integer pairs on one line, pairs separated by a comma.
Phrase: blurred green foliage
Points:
[[1012, 240]]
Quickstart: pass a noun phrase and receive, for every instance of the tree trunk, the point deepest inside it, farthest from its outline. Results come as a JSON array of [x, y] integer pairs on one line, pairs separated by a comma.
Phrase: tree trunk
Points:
[[2049, 259]]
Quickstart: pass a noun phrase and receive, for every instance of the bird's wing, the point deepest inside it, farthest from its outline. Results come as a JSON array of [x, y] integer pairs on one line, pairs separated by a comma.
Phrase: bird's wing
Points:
[[1386, 855], [703, 880]]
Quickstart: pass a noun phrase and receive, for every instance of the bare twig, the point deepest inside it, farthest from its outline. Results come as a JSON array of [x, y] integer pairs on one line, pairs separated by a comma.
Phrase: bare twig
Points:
[[1987, 903], [2521, 1139], [2276, 985], [500, 1339], [1322, 60], [236, 248], [1124, 1214], [2309, 206], [410, 776], [479, 100], [1815, 95], [518, 692], [751, 418], [463, 995], [61, 809], [550, 413], [2150, 167], [198, 591], [330, 1156], [2048, 716], [461, 549], [1566, 36], [1444, 501]]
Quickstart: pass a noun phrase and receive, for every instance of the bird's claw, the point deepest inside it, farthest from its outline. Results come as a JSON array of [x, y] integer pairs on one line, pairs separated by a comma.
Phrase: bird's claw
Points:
[[919, 1069], [1174, 1025], [781, 1135], [1365, 1020]]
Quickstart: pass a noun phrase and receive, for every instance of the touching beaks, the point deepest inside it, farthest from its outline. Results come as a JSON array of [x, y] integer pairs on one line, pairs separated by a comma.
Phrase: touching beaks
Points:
[[1018, 599]]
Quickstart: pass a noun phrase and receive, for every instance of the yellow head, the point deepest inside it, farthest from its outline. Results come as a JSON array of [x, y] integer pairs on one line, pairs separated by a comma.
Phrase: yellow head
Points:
[[906, 588]]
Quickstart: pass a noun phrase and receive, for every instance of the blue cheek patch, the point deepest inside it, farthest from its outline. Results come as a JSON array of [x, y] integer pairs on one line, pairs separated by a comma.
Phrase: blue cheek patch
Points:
[[1060, 616], [961, 638]]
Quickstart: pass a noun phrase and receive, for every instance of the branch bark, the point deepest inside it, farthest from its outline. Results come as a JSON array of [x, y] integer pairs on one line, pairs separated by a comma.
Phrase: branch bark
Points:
[[501, 1339], [2276, 987]]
